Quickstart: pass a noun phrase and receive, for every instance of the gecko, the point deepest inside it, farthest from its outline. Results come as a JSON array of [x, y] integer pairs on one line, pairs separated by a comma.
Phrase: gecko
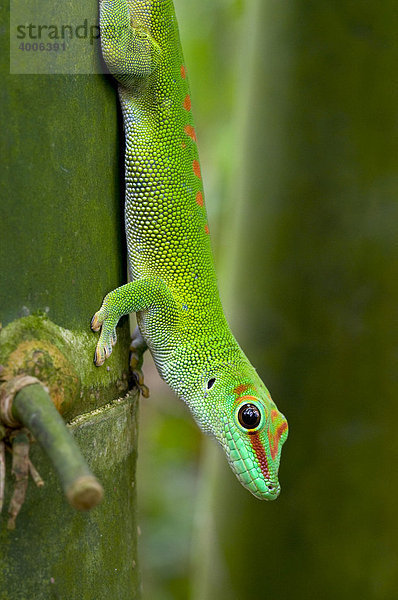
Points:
[[173, 287]]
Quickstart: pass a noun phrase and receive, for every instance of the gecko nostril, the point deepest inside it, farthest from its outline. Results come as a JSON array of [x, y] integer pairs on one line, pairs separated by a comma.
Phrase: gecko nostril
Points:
[[270, 487]]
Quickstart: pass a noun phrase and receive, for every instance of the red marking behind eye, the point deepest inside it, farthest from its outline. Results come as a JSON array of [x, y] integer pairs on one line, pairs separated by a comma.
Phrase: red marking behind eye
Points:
[[196, 168], [189, 130], [260, 454], [247, 398], [199, 199], [240, 389], [206, 229], [275, 438], [183, 72], [187, 102], [274, 414]]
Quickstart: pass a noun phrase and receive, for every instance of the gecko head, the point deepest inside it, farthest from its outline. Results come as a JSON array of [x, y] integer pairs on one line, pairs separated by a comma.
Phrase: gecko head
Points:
[[242, 416], [254, 431]]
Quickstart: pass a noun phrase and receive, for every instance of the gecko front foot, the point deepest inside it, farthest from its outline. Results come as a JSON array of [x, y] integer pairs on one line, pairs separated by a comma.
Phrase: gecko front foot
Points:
[[106, 321], [131, 297], [137, 349]]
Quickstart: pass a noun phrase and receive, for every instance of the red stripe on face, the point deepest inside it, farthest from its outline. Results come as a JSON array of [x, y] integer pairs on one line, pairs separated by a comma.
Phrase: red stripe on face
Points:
[[274, 439], [248, 398], [260, 454], [240, 389]]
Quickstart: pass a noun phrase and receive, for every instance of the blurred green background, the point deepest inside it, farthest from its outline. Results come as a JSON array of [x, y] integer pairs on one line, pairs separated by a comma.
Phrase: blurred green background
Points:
[[296, 107]]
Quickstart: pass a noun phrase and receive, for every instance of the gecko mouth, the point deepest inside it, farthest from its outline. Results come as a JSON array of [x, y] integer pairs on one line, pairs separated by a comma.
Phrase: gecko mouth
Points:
[[263, 485]]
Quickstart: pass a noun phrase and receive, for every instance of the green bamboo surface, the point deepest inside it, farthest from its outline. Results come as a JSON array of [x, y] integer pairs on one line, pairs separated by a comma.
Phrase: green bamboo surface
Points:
[[61, 250], [58, 165], [58, 552]]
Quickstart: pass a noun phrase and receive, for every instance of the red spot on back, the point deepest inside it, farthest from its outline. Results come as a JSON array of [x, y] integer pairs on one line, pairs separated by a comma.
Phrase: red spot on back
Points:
[[274, 439], [199, 199], [196, 168], [183, 72], [260, 454], [240, 389], [189, 130], [206, 229], [187, 102], [183, 144]]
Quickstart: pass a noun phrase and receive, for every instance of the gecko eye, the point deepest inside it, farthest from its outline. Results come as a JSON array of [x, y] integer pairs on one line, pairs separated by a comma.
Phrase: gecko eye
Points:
[[249, 416], [211, 382]]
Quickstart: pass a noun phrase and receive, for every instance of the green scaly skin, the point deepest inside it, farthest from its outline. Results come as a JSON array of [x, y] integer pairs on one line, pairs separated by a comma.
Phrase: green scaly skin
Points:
[[173, 286]]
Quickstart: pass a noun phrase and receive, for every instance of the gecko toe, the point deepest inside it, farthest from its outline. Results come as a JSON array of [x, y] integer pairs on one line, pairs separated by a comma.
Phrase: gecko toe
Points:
[[139, 381], [96, 322], [99, 357], [108, 350], [144, 390], [137, 350]]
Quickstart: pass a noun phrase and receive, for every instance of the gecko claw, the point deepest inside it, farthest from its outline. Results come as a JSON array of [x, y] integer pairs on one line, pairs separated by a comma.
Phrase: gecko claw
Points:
[[102, 352], [139, 381], [95, 322], [99, 357], [139, 376], [105, 321], [144, 390]]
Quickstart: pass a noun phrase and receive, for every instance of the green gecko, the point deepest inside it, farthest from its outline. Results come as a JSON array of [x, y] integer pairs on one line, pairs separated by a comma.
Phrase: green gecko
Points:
[[173, 287]]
